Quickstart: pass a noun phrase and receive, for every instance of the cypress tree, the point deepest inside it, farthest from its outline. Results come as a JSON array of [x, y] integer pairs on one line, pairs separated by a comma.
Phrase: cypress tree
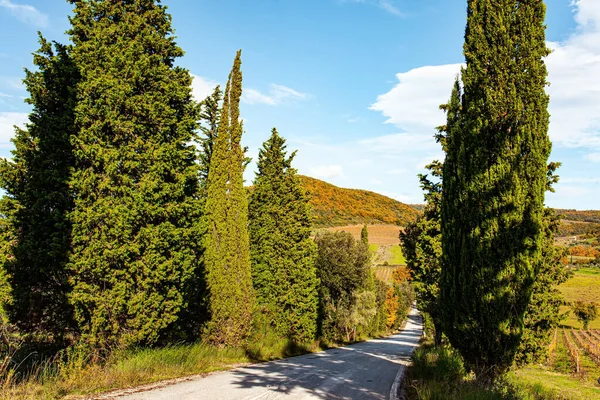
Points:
[[494, 183], [364, 234], [38, 198], [421, 243], [136, 237], [227, 246], [282, 252], [210, 117]]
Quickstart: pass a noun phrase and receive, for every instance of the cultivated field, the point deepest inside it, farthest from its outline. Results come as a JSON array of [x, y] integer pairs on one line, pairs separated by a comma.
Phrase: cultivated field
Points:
[[585, 286], [384, 245], [378, 234]]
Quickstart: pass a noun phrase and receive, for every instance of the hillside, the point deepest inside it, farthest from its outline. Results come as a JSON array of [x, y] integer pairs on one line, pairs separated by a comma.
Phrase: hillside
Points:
[[335, 206]]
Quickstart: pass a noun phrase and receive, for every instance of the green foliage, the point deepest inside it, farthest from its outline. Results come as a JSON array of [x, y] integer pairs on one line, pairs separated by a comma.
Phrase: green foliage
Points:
[[335, 206], [343, 268], [543, 312], [227, 245], [136, 237], [585, 312], [364, 234], [495, 176], [209, 127], [282, 252], [422, 245], [35, 229]]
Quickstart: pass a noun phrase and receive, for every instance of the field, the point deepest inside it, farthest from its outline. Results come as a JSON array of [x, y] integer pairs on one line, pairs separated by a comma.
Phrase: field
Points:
[[384, 244], [378, 234], [585, 286]]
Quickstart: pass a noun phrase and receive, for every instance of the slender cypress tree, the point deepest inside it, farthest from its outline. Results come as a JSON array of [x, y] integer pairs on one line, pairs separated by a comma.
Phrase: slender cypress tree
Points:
[[38, 198], [210, 117], [364, 234], [227, 254], [282, 252], [494, 183], [136, 237]]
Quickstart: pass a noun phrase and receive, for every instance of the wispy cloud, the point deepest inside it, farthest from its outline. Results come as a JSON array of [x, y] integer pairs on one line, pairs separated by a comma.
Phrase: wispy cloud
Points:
[[25, 13], [277, 95], [8, 120], [386, 5], [327, 171], [202, 87]]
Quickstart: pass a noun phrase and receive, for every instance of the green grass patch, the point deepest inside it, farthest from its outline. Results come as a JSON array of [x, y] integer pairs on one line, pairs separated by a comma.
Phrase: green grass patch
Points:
[[585, 286], [373, 248], [437, 373], [542, 383], [396, 257]]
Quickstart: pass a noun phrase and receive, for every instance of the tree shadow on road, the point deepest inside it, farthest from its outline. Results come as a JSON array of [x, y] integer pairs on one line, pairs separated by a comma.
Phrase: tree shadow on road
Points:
[[360, 371]]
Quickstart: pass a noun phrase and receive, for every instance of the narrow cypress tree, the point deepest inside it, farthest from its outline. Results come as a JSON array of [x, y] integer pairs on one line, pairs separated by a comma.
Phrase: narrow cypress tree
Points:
[[210, 117], [136, 237], [282, 252], [421, 243], [494, 183], [38, 198], [227, 254], [364, 234]]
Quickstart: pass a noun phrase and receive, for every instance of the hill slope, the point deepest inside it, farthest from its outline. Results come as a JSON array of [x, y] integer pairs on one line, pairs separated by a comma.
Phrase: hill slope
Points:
[[335, 206]]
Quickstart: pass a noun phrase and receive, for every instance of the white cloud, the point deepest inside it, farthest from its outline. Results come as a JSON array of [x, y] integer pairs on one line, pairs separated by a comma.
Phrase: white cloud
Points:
[[25, 13], [574, 94], [278, 94], [412, 104], [327, 171], [8, 120], [202, 87]]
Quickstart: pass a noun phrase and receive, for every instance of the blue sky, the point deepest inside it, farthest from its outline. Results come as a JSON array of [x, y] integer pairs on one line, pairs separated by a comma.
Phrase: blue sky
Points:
[[354, 85]]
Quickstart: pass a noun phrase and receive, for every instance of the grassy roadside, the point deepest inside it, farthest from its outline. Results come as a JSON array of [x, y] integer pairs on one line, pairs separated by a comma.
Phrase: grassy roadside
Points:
[[77, 378], [438, 373]]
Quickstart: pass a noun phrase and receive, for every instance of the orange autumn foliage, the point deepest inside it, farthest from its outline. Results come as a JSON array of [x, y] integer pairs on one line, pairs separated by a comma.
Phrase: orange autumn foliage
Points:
[[391, 307], [401, 274], [335, 206]]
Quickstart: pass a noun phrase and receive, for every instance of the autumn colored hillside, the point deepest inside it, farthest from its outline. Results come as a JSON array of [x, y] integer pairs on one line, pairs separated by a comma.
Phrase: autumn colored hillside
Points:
[[335, 206]]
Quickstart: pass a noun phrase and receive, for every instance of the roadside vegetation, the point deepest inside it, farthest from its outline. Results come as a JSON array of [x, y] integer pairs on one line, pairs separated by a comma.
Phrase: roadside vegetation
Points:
[[131, 251]]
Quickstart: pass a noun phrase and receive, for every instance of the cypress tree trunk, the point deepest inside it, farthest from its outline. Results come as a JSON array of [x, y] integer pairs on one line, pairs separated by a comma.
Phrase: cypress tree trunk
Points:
[[38, 198], [227, 254], [494, 183], [136, 237], [282, 252]]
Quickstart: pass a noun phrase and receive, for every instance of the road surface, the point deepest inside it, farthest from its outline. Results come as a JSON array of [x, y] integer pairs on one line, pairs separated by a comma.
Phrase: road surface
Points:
[[369, 370]]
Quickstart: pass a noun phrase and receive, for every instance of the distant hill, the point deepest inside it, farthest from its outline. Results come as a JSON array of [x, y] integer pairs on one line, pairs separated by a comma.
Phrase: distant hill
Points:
[[582, 216], [335, 206]]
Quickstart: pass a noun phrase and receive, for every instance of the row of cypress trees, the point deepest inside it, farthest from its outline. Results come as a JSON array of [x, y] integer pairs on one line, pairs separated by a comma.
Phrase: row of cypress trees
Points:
[[482, 255], [125, 214]]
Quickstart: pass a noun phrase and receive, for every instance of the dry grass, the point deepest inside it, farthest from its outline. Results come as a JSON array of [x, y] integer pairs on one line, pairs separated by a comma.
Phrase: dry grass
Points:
[[378, 234]]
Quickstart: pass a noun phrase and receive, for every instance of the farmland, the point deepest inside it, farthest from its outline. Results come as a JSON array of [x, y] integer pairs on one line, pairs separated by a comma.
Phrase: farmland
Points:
[[384, 243], [585, 286]]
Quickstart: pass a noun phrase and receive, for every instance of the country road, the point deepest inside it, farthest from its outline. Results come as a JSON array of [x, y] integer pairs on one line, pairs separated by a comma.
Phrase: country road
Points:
[[369, 370]]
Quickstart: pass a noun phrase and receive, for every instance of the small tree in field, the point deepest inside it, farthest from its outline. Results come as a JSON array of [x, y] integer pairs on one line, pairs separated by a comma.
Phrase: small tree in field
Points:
[[585, 312]]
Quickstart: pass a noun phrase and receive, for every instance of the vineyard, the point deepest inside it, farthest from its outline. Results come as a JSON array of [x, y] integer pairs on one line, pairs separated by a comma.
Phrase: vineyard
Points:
[[577, 353]]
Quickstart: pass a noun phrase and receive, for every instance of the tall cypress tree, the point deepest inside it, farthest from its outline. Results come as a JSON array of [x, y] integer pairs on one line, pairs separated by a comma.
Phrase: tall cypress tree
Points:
[[210, 117], [494, 183], [227, 254], [38, 198], [282, 252], [136, 238]]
